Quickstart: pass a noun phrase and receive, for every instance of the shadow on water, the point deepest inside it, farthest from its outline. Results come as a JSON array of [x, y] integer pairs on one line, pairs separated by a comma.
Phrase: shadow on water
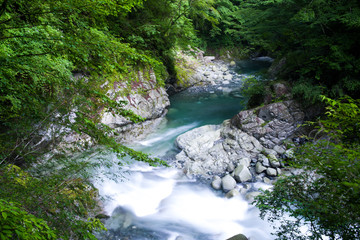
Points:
[[253, 66]]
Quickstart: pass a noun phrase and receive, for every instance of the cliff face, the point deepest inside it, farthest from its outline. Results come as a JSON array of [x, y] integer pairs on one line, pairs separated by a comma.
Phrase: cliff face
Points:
[[145, 97]]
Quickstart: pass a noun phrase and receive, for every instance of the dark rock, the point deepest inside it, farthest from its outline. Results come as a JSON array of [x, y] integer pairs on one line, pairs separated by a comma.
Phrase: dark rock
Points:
[[238, 237], [102, 216], [280, 89]]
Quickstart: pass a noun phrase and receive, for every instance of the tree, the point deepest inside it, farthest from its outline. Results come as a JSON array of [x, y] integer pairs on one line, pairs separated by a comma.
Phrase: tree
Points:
[[43, 44], [324, 195], [160, 26], [317, 39]]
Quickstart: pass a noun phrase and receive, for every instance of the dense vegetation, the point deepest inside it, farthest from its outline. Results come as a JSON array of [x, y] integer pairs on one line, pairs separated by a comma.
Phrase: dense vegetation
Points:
[[324, 195], [55, 60], [316, 51], [55, 57], [315, 41]]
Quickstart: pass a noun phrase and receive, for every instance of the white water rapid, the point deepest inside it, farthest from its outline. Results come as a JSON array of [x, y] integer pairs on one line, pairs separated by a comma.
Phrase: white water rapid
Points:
[[161, 203]]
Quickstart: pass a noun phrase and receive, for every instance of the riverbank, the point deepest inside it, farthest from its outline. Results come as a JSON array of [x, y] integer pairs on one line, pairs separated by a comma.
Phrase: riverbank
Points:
[[165, 203]]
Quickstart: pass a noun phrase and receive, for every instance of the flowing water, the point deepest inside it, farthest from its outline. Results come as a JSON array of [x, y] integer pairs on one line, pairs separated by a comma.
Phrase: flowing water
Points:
[[161, 203]]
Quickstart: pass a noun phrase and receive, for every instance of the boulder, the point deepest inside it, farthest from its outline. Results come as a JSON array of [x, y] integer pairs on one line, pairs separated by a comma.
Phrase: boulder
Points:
[[274, 162], [199, 138], [242, 174], [272, 123], [213, 149], [259, 168], [230, 167], [216, 183], [223, 69], [267, 180], [271, 172], [228, 183], [121, 218], [245, 161], [279, 149], [263, 160], [289, 154], [280, 89], [228, 77], [232, 193]]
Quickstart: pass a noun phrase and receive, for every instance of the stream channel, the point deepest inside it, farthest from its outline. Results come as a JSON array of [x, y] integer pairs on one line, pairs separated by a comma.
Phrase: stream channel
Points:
[[159, 203]]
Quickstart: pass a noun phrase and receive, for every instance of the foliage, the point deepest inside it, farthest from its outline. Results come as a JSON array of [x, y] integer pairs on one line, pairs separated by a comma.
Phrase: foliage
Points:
[[58, 60], [61, 199], [324, 196], [15, 223], [343, 119], [160, 26], [318, 39], [307, 92], [254, 90]]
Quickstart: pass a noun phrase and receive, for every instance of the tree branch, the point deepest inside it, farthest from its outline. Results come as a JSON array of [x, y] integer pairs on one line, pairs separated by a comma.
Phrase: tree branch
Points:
[[3, 7]]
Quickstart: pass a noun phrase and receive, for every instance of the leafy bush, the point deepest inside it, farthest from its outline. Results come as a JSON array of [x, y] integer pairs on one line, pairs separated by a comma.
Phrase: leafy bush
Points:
[[324, 196], [15, 223]]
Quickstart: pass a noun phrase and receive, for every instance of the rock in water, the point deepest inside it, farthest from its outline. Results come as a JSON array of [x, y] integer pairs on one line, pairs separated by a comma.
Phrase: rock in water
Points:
[[238, 237], [228, 183], [232, 193], [242, 174], [216, 183], [251, 196]]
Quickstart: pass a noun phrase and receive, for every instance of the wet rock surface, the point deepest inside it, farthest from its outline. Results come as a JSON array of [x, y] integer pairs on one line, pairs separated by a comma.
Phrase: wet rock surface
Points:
[[250, 147], [146, 99]]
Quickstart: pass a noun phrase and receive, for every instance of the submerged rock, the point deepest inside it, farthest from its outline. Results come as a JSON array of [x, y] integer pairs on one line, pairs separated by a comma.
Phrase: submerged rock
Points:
[[251, 196], [232, 193]]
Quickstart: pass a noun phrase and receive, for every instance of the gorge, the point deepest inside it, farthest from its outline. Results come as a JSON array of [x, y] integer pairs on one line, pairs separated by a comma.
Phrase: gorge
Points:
[[166, 203]]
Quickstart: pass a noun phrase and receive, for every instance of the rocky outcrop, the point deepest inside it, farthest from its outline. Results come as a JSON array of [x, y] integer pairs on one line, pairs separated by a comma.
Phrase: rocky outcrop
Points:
[[145, 98], [247, 148], [271, 124], [199, 70], [213, 149]]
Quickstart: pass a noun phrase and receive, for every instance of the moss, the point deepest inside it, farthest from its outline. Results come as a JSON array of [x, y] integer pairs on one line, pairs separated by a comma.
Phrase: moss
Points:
[[183, 75]]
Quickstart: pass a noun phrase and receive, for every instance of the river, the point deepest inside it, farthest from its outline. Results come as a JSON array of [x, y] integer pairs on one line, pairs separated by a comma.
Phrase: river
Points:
[[159, 203]]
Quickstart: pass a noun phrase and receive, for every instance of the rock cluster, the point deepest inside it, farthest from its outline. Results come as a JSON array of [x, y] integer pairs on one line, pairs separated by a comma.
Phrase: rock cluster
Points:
[[248, 148], [203, 71]]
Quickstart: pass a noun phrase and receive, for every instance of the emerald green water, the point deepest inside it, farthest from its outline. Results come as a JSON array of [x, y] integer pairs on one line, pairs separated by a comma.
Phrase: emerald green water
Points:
[[190, 109], [161, 203], [199, 106]]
